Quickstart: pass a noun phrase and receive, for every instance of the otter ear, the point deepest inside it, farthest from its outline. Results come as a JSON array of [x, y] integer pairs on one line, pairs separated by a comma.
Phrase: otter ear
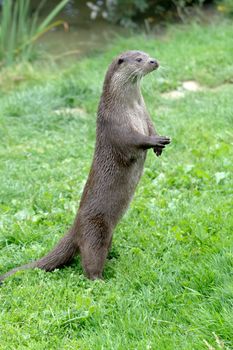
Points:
[[120, 60]]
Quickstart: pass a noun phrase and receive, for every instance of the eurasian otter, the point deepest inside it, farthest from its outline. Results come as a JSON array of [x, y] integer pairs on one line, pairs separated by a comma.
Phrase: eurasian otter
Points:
[[124, 133]]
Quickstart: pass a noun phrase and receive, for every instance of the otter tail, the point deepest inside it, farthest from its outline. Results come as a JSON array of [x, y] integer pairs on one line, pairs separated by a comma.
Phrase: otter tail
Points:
[[60, 256], [16, 269]]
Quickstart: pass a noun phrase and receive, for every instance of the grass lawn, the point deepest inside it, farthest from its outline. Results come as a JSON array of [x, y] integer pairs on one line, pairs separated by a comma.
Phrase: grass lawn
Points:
[[168, 280]]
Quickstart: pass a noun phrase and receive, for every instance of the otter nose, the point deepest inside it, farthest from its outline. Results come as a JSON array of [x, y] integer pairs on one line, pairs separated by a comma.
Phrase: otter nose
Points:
[[154, 62]]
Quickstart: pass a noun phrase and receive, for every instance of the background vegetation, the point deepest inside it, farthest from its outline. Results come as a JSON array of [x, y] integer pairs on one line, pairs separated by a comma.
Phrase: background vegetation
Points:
[[23, 22], [130, 12], [19, 30], [168, 279]]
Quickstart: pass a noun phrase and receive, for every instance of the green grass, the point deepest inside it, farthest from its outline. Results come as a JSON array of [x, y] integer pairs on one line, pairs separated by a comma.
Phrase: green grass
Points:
[[168, 281]]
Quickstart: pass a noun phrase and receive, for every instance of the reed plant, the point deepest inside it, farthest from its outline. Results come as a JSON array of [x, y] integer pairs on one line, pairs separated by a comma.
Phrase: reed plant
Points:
[[19, 30]]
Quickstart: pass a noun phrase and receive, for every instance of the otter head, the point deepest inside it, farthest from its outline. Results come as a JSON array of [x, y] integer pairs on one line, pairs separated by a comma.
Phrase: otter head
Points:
[[128, 68], [135, 64]]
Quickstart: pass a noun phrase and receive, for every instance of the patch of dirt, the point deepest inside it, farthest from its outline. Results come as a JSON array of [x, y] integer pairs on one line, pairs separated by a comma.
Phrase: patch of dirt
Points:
[[174, 94], [187, 86], [191, 85], [71, 111]]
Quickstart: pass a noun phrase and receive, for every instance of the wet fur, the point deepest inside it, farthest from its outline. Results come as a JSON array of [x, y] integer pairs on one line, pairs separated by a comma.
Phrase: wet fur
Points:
[[123, 135]]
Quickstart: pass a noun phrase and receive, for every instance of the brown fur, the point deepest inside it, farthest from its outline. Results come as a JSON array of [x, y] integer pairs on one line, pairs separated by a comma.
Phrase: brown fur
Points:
[[123, 135]]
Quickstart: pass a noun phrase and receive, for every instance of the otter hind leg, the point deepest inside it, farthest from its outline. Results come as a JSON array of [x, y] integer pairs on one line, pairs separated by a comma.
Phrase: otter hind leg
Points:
[[93, 260], [94, 249]]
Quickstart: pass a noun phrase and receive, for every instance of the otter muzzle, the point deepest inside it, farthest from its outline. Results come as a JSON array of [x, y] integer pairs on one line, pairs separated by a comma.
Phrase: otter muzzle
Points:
[[154, 63]]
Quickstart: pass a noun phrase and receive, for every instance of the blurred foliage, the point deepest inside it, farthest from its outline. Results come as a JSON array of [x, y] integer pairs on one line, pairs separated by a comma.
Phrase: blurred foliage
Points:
[[19, 30], [128, 12], [226, 6]]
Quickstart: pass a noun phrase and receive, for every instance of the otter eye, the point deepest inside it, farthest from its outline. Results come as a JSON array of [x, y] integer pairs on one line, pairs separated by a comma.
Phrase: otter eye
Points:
[[139, 59], [120, 60]]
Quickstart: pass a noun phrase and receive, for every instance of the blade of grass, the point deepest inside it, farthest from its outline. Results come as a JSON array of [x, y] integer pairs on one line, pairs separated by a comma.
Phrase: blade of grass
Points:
[[51, 15]]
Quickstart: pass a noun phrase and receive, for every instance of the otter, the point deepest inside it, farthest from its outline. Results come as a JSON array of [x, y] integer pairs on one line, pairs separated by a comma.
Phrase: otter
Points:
[[124, 133]]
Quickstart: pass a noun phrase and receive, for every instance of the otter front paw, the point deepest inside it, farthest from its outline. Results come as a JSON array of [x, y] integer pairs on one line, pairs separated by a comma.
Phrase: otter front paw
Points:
[[163, 140], [158, 151]]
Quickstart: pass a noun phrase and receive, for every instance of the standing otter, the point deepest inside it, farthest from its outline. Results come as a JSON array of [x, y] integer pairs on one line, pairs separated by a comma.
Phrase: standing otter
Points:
[[123, 135]]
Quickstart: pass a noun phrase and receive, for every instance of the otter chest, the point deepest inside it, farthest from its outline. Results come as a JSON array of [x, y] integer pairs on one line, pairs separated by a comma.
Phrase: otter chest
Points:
[[136, 116]]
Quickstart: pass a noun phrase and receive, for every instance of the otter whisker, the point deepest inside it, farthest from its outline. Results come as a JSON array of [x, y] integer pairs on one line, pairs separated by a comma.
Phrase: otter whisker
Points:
[[133, 74]]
